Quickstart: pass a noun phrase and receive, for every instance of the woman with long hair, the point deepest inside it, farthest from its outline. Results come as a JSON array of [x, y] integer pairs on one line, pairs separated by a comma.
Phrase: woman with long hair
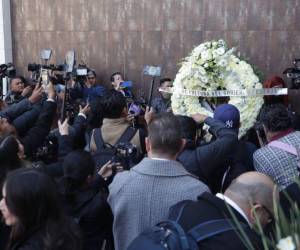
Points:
[[30, 206], [84, 199]]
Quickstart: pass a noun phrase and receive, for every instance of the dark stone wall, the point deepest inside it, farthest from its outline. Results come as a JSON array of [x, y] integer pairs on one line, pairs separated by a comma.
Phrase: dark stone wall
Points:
[[124, 35]]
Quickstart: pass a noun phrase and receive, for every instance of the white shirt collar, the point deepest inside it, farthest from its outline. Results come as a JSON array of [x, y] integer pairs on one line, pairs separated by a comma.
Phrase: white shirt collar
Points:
[[234, 205], [159, 159]]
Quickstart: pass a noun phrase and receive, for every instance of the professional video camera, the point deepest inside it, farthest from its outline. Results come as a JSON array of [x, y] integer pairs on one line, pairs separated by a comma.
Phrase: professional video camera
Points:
[[7, 70], [81, 73], [41, 73], [294, 74]]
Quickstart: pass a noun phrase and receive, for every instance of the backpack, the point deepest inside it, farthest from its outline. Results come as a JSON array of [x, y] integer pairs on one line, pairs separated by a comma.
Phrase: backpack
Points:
[[106, 152], [171, 236]]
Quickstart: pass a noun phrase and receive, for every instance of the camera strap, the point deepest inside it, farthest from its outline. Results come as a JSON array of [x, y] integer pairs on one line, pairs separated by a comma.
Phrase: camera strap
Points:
[[125, 137]]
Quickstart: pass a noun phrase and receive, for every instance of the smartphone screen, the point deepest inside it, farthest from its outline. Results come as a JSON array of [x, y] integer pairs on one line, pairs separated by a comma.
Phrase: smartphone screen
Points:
[[45, 77]]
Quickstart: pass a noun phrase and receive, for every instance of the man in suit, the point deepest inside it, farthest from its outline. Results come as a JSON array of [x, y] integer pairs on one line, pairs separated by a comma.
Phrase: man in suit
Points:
[[141, 197], [248, 200]]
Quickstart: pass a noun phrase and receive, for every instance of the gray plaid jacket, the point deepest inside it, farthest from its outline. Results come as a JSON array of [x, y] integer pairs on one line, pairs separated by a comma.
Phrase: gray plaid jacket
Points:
[[141, 197], [281, 166]]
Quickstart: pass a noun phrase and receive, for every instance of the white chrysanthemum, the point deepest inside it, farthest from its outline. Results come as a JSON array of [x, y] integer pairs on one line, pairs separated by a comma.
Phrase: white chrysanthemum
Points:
[[286, 244], [220, 51], [206, 55], [225, 71], [222, 63]]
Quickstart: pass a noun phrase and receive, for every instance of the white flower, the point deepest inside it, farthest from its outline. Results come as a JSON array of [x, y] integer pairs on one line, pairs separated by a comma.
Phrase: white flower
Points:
[[202, 71], [206, 55], [215, 54], [286, 244], [220, 51], [221, 43], [222, 63], [204, 79], [199, 49]]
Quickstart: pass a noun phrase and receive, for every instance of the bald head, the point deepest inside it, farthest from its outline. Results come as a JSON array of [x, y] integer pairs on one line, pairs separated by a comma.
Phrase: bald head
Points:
[[251, 188], [255, 178]]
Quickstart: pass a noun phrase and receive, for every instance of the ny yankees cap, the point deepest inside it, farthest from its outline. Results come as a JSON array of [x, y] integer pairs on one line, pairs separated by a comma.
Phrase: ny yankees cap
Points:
[[228, 114]]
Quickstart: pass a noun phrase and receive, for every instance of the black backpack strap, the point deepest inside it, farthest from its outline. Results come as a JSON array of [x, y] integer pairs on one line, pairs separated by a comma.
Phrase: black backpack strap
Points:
[[127, 135], [213, 227], [98, 138]]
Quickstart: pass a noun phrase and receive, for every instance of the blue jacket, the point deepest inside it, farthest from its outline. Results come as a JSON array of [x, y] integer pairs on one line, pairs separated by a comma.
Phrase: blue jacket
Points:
[[87, 94]]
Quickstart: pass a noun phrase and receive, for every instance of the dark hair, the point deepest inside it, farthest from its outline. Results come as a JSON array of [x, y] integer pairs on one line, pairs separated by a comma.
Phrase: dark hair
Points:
[[276, 118], [9, 159], [188, 127], [91, 72], [113, 103], [164, 134], [163, 80], [17, 77], [77, 166], [95, 118], [32, 197], [112, 77]]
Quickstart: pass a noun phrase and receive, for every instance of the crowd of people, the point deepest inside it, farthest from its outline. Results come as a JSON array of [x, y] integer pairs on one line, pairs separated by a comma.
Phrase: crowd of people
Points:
[[115, 171]]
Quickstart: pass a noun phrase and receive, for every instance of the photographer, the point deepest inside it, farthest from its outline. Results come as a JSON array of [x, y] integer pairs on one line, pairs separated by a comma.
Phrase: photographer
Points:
[[87, 90], [18, 91]]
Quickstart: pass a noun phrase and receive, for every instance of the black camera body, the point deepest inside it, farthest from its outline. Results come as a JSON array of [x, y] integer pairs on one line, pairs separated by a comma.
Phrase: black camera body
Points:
[[7, 70], [294, 74], [126, 154], [36, 70], [81, 73], [48, 151]]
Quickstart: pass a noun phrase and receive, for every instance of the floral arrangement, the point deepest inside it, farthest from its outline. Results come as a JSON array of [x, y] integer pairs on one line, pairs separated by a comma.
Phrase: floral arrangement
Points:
[[212, 66]]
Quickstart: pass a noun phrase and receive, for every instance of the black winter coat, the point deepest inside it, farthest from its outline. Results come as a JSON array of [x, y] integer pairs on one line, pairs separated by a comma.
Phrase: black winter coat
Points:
[[203, 160], [209, 207], [90, 210]]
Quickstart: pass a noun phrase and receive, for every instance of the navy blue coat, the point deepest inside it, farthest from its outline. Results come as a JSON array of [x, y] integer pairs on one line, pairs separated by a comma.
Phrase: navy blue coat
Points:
[[203, 160]]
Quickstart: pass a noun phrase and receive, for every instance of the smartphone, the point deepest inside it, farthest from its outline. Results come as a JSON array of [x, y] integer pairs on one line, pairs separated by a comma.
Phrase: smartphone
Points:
[[153, 71], [134, 109], [44, 77], [127, 84]]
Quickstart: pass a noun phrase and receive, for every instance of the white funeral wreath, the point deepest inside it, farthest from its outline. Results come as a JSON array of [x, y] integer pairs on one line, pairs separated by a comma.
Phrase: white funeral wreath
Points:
[[211, 66]]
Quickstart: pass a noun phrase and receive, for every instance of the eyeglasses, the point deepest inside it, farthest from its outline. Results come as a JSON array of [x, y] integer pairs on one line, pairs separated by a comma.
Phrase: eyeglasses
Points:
[[90, 78]]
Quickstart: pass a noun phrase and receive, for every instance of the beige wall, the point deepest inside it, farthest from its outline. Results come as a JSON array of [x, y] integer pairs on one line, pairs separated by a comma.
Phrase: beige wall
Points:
[[124, 35]]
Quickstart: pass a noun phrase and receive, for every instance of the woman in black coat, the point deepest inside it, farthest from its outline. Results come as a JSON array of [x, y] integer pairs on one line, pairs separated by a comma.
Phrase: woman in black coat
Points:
[[30, 206], [84, 198]]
